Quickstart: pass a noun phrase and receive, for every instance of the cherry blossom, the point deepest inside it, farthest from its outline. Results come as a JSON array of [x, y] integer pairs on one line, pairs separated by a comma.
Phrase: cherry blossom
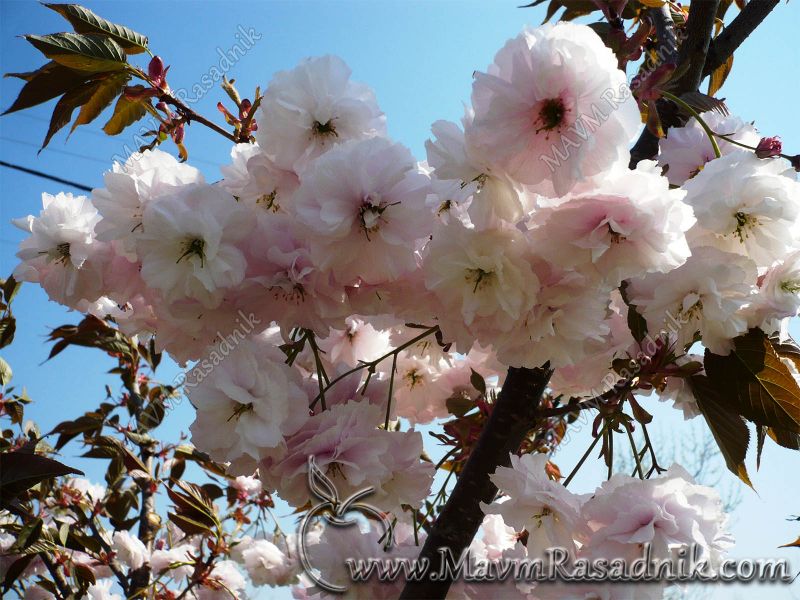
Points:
[[545, 509], [685, 150], [546, 86], [188, 248], [131, 186], [247, 404], [705, 294], [313, 107], [61, 253], [364, 198], [747, 205], [354, 454]]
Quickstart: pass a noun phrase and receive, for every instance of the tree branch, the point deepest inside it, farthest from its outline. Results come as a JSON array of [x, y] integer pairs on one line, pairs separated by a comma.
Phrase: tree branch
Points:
[[646, 146], [512, 417], [699, 56], [737, 32], [694, 48], [58, 577], [139, 579]]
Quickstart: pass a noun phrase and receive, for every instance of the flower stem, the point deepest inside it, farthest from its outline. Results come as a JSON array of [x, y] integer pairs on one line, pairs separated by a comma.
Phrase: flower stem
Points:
[[696, 115]]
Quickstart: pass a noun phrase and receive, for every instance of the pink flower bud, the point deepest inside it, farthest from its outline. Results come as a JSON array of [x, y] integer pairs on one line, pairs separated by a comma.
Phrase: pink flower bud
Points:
[[768, 147], [155, 70]]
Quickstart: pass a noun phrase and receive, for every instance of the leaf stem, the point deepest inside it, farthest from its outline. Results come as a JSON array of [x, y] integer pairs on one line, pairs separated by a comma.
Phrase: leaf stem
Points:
[[585, 456], [635, 452], [696, 115]]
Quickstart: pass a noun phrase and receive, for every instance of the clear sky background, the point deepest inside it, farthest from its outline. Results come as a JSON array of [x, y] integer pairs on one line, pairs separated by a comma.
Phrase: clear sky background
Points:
[[419, 57]]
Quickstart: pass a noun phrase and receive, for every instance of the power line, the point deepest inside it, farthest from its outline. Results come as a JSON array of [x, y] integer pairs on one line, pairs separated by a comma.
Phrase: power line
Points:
[[79, 186], [56, 150], [94, 133]]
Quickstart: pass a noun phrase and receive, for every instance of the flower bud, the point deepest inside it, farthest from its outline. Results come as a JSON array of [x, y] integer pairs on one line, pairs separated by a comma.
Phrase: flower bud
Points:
[[768, 147], [155, 70]]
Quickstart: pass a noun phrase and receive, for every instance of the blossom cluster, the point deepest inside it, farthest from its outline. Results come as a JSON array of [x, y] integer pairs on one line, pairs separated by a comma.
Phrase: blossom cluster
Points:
[[264, 561], [332, 237]]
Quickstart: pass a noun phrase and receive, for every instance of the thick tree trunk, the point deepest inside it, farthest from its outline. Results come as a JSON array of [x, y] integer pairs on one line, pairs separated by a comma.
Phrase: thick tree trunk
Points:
[[511, 419]]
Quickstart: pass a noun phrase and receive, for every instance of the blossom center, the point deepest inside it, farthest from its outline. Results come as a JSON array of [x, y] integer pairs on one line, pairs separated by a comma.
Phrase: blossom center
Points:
[[551, 114], [371, 213], [413, 378], [691, 307], [240, 410], [540, 516], [480, 278], [743, 223], [324, 130], [61, 253], [193, 247], [791, 286], [268, 201], [616, 237]]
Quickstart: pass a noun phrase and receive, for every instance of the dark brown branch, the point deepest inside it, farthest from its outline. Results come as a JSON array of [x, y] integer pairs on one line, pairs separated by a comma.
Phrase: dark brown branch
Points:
[[694, 48], [113, 564], [513, 416], [661, 19], [699, 56], [737, 32], [691, 57], [140, 578], [646, 146], [58, 576]]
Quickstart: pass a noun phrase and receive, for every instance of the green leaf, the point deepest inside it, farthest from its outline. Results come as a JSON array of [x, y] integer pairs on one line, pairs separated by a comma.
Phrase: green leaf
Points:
[[761, 436], [459, 404], [787, 349], [636, 322], [189, 526], [20, 471], [29, 534], [477, 381], [784, 438], [729, 430], [703, 102], [108, 89], [92, 53], [720, 74], [758, 385], [62, 113], [126, 112], [10, 288], [152, 415], [68, 430], [85, 21], [15, 570], [794, 544], [46, 83], [8, 326], [5, 372]]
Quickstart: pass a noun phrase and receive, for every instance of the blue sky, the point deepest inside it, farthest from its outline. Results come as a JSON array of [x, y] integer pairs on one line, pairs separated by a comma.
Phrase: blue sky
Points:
[[419, 57]]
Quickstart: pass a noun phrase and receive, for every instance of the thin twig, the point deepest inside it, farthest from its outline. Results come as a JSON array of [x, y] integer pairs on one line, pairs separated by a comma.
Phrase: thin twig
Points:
[[635, 451], [374, 363], [584, 457], [391, 391], [58, 577]]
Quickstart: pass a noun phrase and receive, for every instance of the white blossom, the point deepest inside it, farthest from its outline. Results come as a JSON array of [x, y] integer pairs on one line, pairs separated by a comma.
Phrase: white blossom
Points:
[[363, 206], [554, 93], [309, 109]]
